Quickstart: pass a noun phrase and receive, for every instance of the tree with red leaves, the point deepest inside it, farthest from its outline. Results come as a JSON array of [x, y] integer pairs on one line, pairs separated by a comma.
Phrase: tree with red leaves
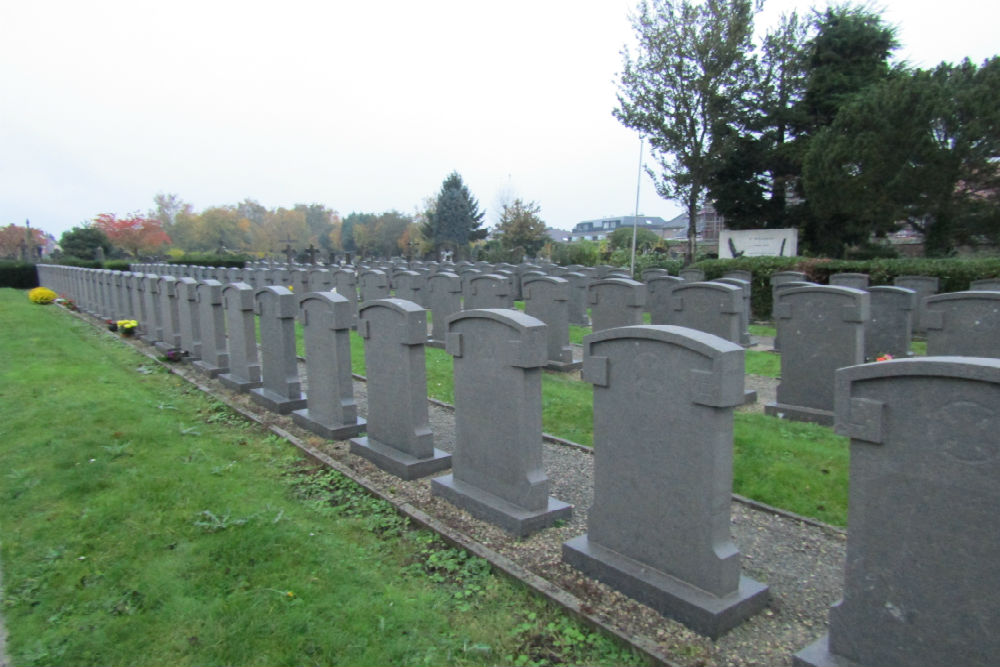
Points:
[[134, 234]]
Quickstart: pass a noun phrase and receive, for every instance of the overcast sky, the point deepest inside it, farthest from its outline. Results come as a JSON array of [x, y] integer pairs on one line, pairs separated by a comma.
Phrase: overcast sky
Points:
[[361, 106]]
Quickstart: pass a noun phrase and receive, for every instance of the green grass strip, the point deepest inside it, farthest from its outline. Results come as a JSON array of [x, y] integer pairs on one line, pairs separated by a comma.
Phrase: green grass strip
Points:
[[145, 523]]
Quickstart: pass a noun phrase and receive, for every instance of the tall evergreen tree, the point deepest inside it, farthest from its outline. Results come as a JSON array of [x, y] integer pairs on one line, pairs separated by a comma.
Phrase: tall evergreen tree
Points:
[[456, 220]]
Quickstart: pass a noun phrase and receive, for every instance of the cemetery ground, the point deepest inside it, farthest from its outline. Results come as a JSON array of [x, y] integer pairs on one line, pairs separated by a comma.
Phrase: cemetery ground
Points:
[[166, 567]]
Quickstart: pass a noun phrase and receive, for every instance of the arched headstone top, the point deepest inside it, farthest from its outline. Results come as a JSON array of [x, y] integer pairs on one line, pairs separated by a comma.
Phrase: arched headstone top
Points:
[[526, 350], [285, 301], [412, 319]]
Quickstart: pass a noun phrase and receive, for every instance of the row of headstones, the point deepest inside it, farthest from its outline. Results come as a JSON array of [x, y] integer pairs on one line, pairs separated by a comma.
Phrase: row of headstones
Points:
[[720, 307], [822, 328], [923, 534]]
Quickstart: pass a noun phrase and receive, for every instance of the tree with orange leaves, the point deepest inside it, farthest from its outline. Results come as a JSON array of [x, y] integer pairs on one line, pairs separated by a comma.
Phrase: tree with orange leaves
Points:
[[134, 234]]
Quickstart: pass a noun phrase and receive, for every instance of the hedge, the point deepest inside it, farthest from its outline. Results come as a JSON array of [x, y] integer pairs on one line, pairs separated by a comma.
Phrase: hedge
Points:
[[954, 274], [19, 275]]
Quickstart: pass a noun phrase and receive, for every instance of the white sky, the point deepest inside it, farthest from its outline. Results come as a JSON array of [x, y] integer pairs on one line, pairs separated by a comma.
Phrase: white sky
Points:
[[361, 106]]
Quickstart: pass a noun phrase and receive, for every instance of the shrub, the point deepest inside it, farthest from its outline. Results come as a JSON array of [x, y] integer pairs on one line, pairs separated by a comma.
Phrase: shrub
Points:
[[18, 275], [42, 295]]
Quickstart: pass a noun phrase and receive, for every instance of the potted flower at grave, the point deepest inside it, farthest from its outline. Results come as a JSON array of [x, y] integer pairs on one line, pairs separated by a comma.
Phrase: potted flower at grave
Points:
[[112, 325], [42, 296], [127, 327]]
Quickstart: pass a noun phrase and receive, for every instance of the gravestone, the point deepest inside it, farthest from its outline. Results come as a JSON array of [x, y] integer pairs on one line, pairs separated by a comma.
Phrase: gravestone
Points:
[[152, 333], [214, 358], [923, 535], [488, 290], [739, 274], [965, 324], [346, 285], [776, 292], [467, 273], [780, 278], [320, 280], [410, 286], [190, 328], [985, 285], [649, 273], [890, 325], [326, 332], [399, 438], [692, 275], [822, 328], [616, 302], [855, 280], [241, 339], [169, 314], [744, 286], [663, 474], [281, 390], [660, 291], [577, 304], [924, 286], [711, 307], [547, 299], [444, 298], [373, 284], [497, 472]]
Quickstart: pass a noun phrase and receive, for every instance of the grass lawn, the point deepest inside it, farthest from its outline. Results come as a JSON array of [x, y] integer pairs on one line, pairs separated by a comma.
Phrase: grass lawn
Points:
[[144, 523]]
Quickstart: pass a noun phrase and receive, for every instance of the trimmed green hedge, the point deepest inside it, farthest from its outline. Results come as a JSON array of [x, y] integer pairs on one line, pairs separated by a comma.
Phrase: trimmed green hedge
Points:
[[19, 275], [954, 274], [202, 259]]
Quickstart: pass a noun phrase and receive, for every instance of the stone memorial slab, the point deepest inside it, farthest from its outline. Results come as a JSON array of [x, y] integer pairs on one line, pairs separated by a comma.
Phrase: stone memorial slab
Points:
[[744, 285], [780, 278], [739, 274], [923, 533], [410, 286], [663, 473], [169, 314], [373, 284], [399, 438], [444, 298], [346, 284], [822, 328], [985, 285], [659, 300], [212, 319], [692, 275], [320, 280], [924, 286], [488, 290], [281, 390], [547, 299], [190, 328], [497, 472], [152, 332], [889, 329], [241, 339], [963, 324], [776, 292], [855, 280], [578, 284], [616, 302], [711, 307], [649, 273], [326, 332]]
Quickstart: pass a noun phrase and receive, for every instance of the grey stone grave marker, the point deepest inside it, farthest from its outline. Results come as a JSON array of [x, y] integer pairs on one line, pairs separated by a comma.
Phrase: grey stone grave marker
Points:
[[776, 292], [346, 285], [244, 367], [152, 332], [924, 286], [281, 390], [744, 286], [780, 278], [963, 324], [923, 535], [444, 298], [214, 358], [890, 325], [740, 274], [399, 438], [169, 314], [320, 280], [985, 285], [649, 273], [190, 328], [616, 302], [663, 473], [578, 284], [692, 275], [326, 332], [855, 280], [711, 307], [547, 299], [660, 290], [497, 472], [822, 328], [374, 284], [410, 286], [489, 290]]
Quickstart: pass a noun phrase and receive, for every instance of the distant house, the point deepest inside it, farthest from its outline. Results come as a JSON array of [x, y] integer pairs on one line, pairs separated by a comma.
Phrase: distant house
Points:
[[708, 224], [596, 230]]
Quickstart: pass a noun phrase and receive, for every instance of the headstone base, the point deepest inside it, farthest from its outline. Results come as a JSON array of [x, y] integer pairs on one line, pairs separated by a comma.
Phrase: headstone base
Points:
[[275, 402], [237, 384], [704, 613], [749, 396], [563, 366], [799, 413], [818, 654], [398, 463], [329, 431], [211, 370], [488, 507]]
